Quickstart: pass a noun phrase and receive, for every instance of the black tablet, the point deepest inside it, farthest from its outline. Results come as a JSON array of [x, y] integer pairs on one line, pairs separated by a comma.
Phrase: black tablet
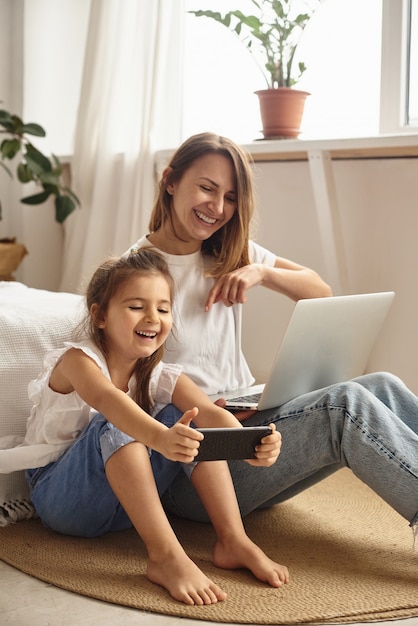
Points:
[[230, 443]]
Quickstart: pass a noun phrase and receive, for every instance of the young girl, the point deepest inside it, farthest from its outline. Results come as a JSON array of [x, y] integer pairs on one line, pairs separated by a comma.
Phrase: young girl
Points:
[[200, 222], [106, 458]]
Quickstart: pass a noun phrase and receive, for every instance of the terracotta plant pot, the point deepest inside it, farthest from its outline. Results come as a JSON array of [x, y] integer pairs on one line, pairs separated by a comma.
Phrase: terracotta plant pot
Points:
[[281, 112]]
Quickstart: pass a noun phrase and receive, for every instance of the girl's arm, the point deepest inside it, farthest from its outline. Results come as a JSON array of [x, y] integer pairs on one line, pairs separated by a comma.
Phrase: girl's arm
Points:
[[286, 277], [78, 372]]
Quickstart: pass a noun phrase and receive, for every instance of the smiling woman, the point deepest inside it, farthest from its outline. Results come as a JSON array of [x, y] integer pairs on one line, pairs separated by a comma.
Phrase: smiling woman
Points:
[[201, 222], [203, 199]]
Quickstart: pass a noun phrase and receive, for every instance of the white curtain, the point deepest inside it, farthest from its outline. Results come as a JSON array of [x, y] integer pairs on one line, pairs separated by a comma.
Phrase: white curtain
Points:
[[130, 106]]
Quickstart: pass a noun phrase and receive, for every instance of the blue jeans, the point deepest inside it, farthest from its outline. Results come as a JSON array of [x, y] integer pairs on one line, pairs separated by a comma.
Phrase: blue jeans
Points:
[[369, 424], [72, 495]]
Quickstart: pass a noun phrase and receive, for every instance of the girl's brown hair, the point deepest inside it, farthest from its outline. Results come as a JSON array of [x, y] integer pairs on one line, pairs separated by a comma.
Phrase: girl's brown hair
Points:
[[228, 247], [105, 282]]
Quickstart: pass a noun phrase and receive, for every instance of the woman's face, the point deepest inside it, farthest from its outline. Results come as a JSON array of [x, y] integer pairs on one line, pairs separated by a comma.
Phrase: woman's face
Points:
[[204, 199]]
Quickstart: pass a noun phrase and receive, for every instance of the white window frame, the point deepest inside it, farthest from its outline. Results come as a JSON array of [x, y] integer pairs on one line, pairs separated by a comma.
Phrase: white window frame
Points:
[[394, 68]]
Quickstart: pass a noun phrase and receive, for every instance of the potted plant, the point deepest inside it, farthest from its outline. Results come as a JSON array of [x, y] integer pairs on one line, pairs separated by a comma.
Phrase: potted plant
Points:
[[32, 166], [272, 35]]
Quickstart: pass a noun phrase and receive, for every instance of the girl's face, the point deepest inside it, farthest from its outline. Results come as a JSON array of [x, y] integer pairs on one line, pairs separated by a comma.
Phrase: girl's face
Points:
[[204, 199], [138, 319]]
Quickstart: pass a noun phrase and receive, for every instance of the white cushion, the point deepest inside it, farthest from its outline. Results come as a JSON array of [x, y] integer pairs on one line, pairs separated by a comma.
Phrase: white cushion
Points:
[[32, 321]]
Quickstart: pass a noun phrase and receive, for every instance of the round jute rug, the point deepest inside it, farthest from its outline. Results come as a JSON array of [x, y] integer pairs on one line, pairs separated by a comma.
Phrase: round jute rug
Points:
[[350, 557]]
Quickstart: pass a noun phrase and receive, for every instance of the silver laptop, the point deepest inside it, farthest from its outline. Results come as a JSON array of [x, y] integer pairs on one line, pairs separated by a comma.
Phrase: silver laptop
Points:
[[328, 340]]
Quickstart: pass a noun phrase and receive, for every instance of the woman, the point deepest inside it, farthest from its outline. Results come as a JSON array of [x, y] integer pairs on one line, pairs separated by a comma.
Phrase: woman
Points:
[[200, 222]]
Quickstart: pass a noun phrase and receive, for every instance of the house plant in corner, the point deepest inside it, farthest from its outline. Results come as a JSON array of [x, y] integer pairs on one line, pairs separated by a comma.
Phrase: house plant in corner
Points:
[[32, 166], [272, 35]]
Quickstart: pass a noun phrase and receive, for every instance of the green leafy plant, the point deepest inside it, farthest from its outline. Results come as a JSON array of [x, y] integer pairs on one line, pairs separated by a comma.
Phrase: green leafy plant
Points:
[[272, 34], [34, 166]]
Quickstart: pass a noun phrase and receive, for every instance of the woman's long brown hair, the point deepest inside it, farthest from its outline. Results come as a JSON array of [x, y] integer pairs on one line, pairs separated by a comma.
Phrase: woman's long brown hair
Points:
[[228, 247]]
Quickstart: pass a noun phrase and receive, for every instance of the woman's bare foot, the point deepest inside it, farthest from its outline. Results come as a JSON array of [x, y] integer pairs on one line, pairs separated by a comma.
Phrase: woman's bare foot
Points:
[[235, 553], [184, 580]]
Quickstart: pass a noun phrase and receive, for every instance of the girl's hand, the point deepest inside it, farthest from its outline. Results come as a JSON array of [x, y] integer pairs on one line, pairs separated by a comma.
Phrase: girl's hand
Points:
[[232, 287], [181, 442], [269, 449]]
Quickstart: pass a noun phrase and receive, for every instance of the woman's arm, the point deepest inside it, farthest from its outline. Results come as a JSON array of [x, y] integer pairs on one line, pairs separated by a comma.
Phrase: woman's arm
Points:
[[295, 281], [187, 394], [286, 277]]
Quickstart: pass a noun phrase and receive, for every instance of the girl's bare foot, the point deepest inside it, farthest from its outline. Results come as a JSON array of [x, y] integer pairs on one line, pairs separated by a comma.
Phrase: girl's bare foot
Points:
[[233, 553], [184, 580]]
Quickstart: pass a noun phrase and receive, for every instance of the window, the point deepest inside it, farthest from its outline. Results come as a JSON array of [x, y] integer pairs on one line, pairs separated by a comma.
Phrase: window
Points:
[[412, 107], [357, 53], [399, 81], [362, 70]]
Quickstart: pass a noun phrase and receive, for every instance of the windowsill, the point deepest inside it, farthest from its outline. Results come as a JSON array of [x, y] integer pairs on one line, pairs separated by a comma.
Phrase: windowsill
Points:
[[298, 149], [384, 146]]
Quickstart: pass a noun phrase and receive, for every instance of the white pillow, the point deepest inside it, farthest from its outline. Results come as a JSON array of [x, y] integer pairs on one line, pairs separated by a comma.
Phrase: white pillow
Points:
[[32, 321]]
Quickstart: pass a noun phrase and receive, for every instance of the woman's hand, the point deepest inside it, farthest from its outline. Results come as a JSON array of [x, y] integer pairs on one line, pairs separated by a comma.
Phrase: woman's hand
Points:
[[268, 450], [181, 442], [241, 416], [286, 277], [232, 287]]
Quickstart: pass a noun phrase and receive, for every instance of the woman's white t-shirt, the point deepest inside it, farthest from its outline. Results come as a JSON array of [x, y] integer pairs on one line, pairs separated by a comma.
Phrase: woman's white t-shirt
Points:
[[206, 344]]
